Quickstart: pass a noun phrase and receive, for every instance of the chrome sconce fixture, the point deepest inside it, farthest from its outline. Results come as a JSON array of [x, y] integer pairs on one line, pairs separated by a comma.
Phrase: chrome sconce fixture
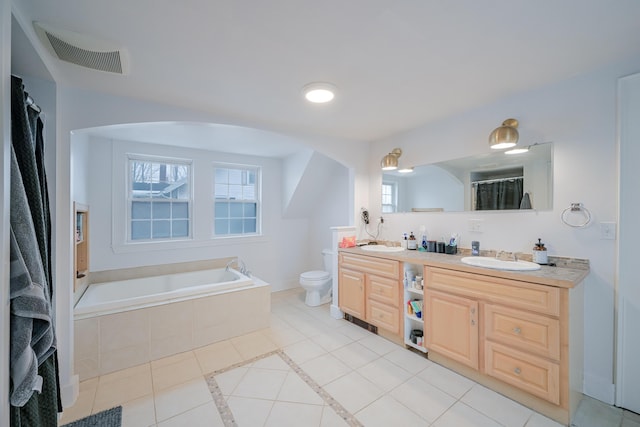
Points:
[[505, 136], [390, 161]]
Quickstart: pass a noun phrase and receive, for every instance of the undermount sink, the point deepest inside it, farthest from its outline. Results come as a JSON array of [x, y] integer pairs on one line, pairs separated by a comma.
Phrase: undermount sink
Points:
[[382, 248], [499, 264]]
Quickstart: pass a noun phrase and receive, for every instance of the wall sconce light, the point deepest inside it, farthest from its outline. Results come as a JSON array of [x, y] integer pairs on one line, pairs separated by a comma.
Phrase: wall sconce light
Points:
[[390, 161], [505, 136]]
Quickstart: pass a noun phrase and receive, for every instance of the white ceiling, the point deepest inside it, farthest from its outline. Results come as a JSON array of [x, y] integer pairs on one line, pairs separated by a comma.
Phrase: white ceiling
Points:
[[397, 64]]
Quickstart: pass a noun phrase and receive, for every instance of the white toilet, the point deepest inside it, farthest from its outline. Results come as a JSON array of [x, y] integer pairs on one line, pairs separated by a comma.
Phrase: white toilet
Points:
[[318, 283]]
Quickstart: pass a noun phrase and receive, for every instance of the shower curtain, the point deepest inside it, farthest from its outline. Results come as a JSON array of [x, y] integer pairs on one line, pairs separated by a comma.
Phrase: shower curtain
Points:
[[34, 386], [498, 194]]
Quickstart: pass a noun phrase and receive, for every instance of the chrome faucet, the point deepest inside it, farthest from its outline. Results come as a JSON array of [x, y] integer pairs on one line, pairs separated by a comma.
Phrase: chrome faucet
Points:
[[241, 266]]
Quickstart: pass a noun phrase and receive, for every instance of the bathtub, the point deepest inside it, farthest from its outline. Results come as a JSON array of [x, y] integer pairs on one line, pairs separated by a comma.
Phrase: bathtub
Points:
[[126, 323], [132, 294]]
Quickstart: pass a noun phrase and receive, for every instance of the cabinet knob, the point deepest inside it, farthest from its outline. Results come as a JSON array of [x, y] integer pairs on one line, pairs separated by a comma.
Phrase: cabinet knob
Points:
[[517, 330], [473, 310], [517, 371], [473, 322]]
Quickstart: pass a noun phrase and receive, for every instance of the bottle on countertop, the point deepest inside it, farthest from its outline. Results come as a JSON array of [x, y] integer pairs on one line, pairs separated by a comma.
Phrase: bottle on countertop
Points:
[[412, 243], [540, 253], [405, 241]]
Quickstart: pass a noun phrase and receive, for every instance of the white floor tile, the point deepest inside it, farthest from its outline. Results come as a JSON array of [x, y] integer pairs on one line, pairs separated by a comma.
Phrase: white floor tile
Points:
[[206, 415], [139, 413], [355, 355], [249, 412], [260, 384], [331, 340], [114, 390], [494, 405], [217, 356], [168, 375], [384, 374], [446, 380], [304, 351], [284, 336], [331, 419], [325, 368], [538, 420], [461, 415], [353, 391], [387, 411], [253, 344], [178, 399], [423, 399], [354, 332], [83, 405], [592, 413], [628, 422], [378, 345], [271, 362], [287, 414], [294, 389], [408, 360], [228, 381]]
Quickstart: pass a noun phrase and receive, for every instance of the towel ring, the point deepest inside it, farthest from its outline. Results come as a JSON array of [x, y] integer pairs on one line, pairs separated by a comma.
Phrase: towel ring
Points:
[[576, 207]]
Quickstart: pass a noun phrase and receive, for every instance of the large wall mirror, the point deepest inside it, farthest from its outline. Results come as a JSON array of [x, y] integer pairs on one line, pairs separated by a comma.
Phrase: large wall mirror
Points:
[[493, 181]]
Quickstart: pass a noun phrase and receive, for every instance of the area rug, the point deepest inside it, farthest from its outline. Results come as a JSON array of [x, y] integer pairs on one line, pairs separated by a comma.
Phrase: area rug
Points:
[[109, 418], [227, 415]]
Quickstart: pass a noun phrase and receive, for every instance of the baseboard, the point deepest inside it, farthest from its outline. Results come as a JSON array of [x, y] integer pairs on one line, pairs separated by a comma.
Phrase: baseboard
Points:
[[599, 388], [70, 391]]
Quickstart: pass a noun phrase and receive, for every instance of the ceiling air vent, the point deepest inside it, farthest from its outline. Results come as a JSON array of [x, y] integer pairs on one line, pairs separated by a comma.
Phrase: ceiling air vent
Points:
[[82, 50]]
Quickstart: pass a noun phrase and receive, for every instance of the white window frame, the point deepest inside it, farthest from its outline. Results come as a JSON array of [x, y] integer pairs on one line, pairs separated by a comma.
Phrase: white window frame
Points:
[[394, 196], [130, 157], [257, 200]]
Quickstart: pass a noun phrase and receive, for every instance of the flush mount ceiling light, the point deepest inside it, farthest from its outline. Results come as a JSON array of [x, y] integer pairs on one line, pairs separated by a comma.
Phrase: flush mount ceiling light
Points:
[[516, 151], [406, 169], [319, 92], [505, 136], [390, 161]]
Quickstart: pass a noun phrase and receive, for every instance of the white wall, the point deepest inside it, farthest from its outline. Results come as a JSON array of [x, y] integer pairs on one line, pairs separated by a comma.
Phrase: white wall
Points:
[[105, 184], [579, 116]]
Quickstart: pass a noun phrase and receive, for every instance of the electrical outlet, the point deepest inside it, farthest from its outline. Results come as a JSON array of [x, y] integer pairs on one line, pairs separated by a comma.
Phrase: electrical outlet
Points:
[[475, 225], [365, 216], [608, 230]]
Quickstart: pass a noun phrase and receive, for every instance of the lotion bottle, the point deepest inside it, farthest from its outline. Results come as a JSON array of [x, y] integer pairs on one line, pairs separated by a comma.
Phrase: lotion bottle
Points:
[[540, 253]]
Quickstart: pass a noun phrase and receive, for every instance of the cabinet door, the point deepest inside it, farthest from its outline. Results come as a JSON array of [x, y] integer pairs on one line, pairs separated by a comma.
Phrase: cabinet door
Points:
[[451, 327], [351, 292]]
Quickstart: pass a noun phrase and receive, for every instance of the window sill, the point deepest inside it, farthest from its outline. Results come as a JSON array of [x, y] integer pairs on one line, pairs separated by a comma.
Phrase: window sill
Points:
[[133, 247]]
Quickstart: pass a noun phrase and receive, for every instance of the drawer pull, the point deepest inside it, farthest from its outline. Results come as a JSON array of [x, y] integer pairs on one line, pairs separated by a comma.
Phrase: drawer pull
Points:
[[517, 371], [473, 322], [517, 330]]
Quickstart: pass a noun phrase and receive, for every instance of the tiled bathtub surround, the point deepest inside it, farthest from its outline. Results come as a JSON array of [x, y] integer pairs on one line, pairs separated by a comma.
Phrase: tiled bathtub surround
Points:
[[116, 341]]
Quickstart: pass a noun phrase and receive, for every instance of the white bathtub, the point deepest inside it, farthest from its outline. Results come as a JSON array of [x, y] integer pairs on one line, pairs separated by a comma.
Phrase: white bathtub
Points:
[[133, 294], [126, 323]]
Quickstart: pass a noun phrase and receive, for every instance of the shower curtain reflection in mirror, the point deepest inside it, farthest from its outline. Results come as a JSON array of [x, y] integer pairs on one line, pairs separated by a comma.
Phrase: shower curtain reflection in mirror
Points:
[[497, 194]]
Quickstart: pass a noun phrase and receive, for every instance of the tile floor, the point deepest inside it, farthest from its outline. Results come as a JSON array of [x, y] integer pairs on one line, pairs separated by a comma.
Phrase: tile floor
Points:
[[376, 382]]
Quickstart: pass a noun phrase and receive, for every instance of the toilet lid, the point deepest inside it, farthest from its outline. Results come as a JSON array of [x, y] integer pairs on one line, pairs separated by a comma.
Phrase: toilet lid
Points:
[[315, 275]]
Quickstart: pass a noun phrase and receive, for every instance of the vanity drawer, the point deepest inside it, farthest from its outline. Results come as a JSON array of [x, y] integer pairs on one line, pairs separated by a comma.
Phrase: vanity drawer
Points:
[[532, 374], [383, 316], [529, 332], [369, 264], [383, 289], [517, 294]]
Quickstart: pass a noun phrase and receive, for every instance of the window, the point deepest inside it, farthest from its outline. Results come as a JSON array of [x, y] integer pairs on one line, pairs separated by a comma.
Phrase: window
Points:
[[236, 200], [159, 199], [389, 197]]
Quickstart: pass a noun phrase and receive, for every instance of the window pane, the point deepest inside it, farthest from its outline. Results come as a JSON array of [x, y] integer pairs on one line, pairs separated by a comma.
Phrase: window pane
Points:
[[235, 226], [180, 228], [161, 210], [235, 192], [140, 230], [250, 210], [140, 210], [221, 191], [249, 192], [221, 210], [235, 210], [249, 225], [161, 229], [235, 176], [180, 210], [221, 226], [222, 176]]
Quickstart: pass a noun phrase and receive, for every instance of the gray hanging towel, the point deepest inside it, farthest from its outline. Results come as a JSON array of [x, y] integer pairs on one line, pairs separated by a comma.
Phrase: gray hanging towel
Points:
[[525, 203]]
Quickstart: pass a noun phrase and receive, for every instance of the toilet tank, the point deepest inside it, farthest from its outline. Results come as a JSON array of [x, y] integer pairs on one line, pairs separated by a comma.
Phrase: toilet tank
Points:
[[327, 256]]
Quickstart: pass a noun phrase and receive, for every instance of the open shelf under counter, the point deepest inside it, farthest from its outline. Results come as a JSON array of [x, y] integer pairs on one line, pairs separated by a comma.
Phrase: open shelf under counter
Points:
[[419, 292], [413, 317], [409, 343]]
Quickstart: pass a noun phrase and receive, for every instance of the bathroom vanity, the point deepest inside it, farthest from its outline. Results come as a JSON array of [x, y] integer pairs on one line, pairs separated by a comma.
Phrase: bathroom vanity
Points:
[[517, 332]]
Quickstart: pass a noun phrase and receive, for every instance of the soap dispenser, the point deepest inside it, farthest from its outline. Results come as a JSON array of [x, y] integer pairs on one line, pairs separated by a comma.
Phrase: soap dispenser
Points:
[[413, 243], [540, 253]]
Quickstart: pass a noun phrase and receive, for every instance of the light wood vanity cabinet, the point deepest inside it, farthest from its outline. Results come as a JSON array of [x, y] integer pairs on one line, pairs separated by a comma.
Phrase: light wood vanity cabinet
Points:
[[513, 331], [369, 289]]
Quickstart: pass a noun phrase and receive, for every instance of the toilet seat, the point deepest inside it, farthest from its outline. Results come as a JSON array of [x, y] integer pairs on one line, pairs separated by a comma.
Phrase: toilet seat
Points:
[[315, 275]]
